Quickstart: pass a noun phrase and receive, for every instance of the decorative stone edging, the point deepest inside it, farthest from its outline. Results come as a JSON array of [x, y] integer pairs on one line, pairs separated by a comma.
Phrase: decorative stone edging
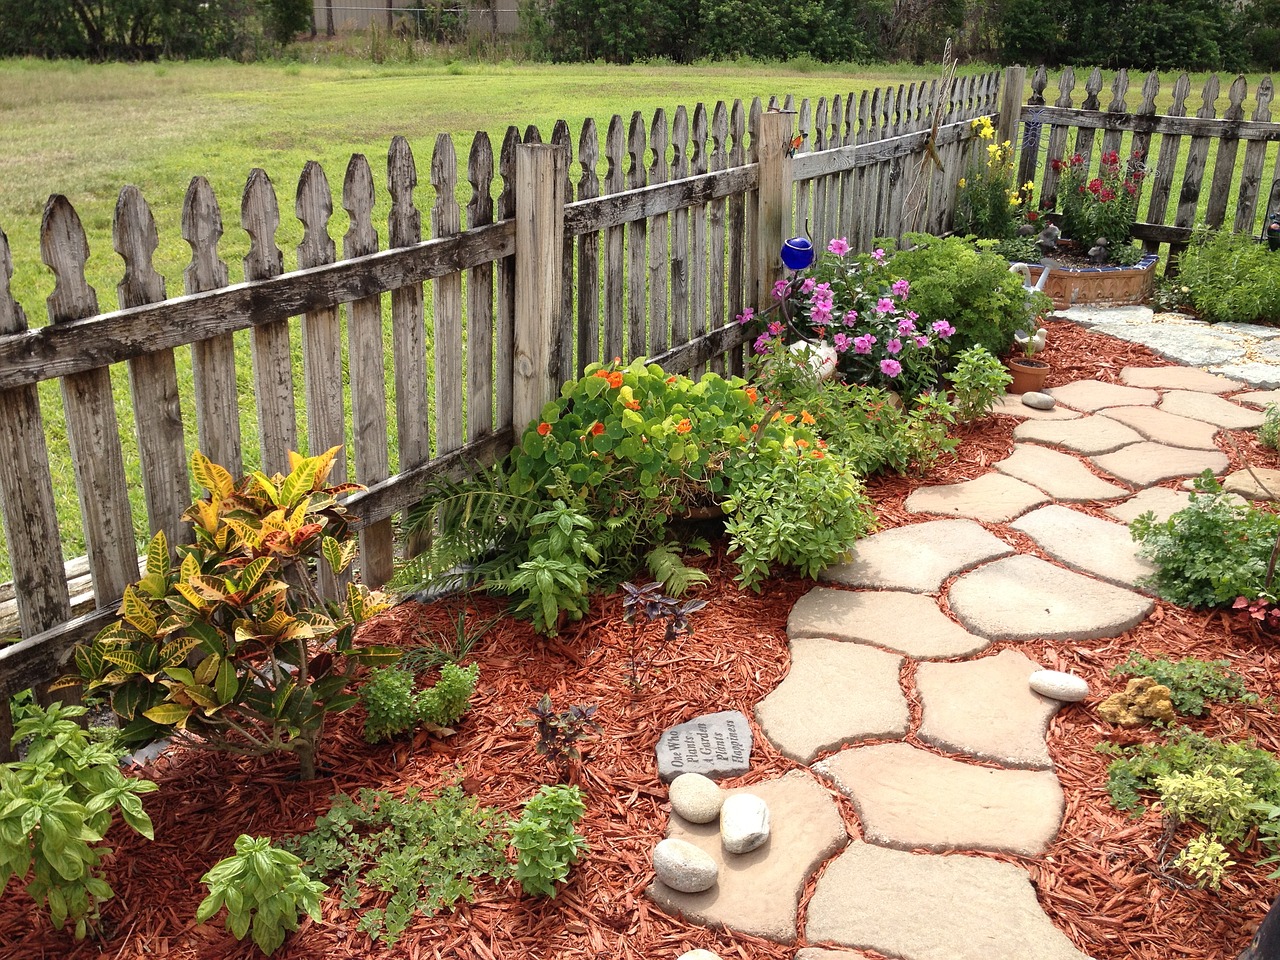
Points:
[[1068, 286]]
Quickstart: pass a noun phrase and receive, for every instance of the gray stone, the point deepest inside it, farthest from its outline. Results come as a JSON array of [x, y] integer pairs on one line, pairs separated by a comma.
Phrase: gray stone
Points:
[[744, 823], [1086, 543], [835, 693], [1213, 410], [1089, 315], [822, 953], [1093, 395], [715, 745], [698, 955], [759, 892], [1265, 376], [925, 907], [908, 799], [917, 557], [695, 797], [984, 708], [1146, 464], [1088, 435], [682, 866], [1059, 685], [1010, 405], [992, 497], [905, 622], [1178, 378], [1038, 401], [1060, 475], [1025, 598], [1261, 483], [1165, 427]]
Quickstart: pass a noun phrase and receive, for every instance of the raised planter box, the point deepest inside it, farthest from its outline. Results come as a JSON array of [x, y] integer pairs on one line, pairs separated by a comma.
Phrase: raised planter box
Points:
[[1070, 286]]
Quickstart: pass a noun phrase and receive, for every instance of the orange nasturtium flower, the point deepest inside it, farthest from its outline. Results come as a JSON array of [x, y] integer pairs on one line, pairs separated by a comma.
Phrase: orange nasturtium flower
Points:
[[751, 394], [615, 379], [684, 426], [632, 404], [802, 443], [806, 417], [755, 427], [544, 428], [789, 418], [601, 373], [597, 428], [818, 454]]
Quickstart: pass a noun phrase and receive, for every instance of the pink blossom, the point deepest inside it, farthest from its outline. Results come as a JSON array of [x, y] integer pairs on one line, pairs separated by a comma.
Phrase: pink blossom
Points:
[[906, 326], [877, 255], [776, 328], [901, 288], [823, 291], [912, 315], [820, 313], [842, 342], [886, 305], [890, 368], [943, 329], [747, 315], [839, 246], [851, 318], [762, 343], [922, 341], [779, 289], [894, 346], [863, 343], [808, 285]]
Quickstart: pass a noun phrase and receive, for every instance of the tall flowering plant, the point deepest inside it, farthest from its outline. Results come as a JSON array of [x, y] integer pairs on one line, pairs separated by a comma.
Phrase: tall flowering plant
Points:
[[1102, 206], [989, 204], [853, 304]]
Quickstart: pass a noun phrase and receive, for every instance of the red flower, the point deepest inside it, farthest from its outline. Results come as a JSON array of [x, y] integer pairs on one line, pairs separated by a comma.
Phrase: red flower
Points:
[[615, 379], [597, 429], [544, 428]]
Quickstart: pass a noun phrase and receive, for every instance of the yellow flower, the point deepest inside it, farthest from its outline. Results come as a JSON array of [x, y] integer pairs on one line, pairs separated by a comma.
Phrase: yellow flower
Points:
[[1029, 186], [962, 182]]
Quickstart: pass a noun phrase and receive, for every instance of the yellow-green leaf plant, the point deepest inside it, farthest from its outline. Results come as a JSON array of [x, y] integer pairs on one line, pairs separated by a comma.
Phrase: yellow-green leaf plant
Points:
[[233, 647]]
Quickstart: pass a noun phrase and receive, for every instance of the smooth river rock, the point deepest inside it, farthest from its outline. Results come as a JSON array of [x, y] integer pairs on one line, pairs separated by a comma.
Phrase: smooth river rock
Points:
[[1038, 401], [683, 866], [695, 797], [1066, 687], [744, 823]]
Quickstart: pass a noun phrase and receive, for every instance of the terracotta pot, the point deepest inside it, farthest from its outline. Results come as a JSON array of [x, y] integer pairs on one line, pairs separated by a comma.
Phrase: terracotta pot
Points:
[[1069, 286], [1028, 375]]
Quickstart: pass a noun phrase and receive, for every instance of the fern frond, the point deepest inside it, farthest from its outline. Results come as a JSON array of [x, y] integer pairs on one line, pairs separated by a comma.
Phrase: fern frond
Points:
[[665, 565]]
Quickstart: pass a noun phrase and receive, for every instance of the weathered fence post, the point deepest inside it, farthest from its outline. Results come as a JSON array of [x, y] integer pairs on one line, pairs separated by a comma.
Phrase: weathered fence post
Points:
[[1010, 103], [541, 172], [773, 220]]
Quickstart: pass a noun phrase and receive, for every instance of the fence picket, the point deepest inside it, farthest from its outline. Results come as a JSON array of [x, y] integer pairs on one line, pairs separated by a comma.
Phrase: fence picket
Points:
[[213, 361], [1255, 153], [1224, 164], [637, 246], [1112, 139], [719, 160], [738, 289], [857, 197], [1057, 140], [1141, 142], [659, 243], [1170, 144], [561, 137], [272, 360], [698, 232], [680, 232], [365, 366], [803, 188], [504, 347], [153, 377], [1193, 176], [1085, 135], [480, 296], [818, 143], [588, 252], [614, 277]]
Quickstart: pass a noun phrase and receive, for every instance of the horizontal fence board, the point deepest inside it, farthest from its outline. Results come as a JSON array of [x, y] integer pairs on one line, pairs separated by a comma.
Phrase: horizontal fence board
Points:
[[614, 210], [1155, 123]]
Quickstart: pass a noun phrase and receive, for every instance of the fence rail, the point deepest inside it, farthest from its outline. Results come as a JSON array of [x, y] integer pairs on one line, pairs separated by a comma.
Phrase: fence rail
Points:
[[644, 242]]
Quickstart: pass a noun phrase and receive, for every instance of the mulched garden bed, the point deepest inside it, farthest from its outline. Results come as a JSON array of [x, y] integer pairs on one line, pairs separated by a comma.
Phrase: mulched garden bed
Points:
[[1103, 881]]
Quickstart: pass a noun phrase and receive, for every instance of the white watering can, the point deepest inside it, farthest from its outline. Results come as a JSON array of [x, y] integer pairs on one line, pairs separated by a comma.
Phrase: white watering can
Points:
[[1025, 270]]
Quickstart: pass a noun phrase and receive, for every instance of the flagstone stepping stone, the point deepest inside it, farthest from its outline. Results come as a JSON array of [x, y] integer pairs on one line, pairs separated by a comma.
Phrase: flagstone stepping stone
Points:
[[1263, 483], [1093, 395], [1161, 501], [1086, 435], [906, 622], [1263, 374], [992, 497], [1011, 405], [985, 708], [1178, 378], [926, 907], [822, 953], [1060, 475], [1087, 544], [1024, 598], [835, 693], [1165, 427], [917, 557], [1215, 410], [1146, 464], [759, 892], [1258, 398], [715, 745], [908, 798]]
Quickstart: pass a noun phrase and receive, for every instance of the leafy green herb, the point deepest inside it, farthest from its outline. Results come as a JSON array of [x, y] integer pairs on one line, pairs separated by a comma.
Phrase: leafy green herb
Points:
[[393, 706], [977, 383], [560, 731], [1269, 432], [547, 845], [264, 889], [1191, 681]]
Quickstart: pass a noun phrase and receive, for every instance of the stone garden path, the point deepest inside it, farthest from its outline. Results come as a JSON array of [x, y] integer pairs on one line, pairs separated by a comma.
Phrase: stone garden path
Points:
[[986, 781]]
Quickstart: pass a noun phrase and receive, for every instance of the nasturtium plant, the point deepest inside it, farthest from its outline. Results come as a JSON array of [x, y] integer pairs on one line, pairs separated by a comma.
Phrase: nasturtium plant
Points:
[[232, 647]]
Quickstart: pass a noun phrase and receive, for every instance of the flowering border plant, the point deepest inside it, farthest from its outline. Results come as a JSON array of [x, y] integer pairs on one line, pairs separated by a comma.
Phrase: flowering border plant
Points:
[[1104, 206], [989, 204], [854, 303]]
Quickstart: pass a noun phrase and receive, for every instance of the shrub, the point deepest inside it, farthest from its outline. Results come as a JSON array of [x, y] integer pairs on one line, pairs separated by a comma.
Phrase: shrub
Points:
[[393, 707], [547, 845], [1210, 553], [263, 888], [58, 804], [975, 291], [231, 648], [1230, 277], [977, 383]]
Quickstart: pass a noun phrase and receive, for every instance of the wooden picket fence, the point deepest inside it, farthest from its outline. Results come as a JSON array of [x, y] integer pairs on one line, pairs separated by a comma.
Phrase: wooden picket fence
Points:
[[656, 260], [1206, 146]]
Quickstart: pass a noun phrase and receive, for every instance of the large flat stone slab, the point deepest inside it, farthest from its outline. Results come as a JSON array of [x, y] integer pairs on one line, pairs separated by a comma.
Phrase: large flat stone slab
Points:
[[1060, 475], [1258, 398], [1165, 427], [1088, 544], [1087, 435], [1146, 464], [759, 892], [908, 798], [1161, 501], [1260, 483], [924, 907], [1212, 410], [992, 497], [835, 693], [917, 557], [984, 708], [1178, 378], [1011, 405], [906, 622], [715, 745], [1257, 373], [1024, 597], [1093, 395]]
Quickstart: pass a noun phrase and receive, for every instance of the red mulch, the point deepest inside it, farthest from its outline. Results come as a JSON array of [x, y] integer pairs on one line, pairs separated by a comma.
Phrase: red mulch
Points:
[[1103, 882]]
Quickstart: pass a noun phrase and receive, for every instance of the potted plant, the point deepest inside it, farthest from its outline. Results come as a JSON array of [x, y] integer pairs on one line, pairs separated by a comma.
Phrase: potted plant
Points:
[[1028, 373]]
